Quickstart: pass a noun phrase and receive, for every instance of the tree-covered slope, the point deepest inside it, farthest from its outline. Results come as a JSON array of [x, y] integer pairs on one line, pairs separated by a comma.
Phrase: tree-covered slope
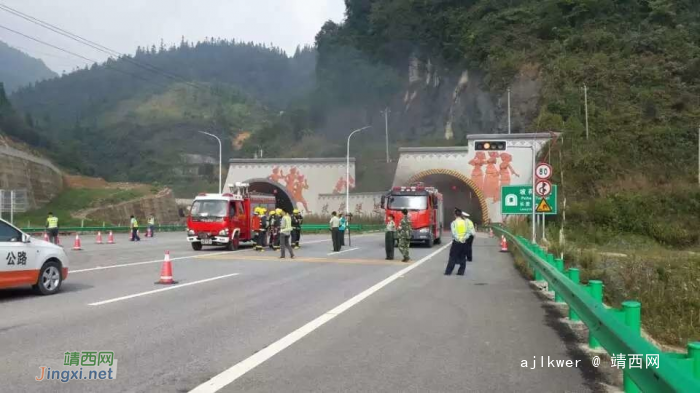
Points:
[[18, 69]]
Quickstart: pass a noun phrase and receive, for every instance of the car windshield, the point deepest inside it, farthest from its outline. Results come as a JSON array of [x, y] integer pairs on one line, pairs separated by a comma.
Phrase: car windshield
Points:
[[209, 209], [408, 202]]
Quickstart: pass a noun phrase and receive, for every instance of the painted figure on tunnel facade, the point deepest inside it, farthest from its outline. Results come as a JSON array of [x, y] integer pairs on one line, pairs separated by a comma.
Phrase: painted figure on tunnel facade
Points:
[[506, 169], [477, 162], [491, 182]]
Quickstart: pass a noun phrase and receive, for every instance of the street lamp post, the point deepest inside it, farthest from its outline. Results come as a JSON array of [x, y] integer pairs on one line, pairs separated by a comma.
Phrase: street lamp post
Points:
[[219, 140], [386, 112], [347, 170]]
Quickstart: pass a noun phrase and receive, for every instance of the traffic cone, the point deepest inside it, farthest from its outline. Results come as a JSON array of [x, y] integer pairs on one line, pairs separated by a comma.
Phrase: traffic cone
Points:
[[490, 232], [99, 238], [110, 238], [148, 232], [46, 236], [76, 245], [166, 271], [504, 244]]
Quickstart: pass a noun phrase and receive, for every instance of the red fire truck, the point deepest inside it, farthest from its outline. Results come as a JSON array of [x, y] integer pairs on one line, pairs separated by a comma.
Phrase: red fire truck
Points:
[[225, 219], [424, 205]]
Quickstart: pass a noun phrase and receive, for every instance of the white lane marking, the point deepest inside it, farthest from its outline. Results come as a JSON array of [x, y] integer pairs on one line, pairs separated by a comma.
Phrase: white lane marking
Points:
[[340, 252], [178, 258], [145, 262], [228, 376], [175, 286]]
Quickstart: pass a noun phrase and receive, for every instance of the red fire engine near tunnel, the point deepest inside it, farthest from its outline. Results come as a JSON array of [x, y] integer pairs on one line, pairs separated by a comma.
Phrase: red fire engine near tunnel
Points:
[[424, 205], [225, 219]]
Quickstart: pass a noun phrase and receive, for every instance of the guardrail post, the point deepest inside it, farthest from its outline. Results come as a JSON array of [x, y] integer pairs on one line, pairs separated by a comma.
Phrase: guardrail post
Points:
[[694, 354], [574, 277], [633, 319], [596, 291], [559, 264]]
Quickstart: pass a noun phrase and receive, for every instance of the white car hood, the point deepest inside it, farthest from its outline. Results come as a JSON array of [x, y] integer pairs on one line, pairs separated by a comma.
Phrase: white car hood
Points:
[[44, 244]]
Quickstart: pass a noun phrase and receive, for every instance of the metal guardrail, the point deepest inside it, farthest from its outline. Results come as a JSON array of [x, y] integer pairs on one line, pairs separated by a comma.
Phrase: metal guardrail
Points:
[[617, 331], [175, 228]]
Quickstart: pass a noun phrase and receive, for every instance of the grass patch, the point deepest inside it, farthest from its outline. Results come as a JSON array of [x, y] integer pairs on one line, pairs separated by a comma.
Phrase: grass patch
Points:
[[665, 281], [73, 200]]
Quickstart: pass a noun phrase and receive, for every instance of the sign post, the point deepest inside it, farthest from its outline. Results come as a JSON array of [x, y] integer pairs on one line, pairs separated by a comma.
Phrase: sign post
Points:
[[542, 188]]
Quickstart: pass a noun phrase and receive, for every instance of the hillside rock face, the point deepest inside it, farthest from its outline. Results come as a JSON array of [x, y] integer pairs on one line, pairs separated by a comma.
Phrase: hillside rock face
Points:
[[161, 205], [453, 104], [446, 104], [20, 170]]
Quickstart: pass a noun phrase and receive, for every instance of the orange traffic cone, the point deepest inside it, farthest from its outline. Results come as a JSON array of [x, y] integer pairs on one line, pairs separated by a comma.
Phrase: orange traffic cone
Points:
[[148, 232], [504, 244], [76, 245], [166, 271], [490, 232], [110, 238], [46, 236], [99, 238]]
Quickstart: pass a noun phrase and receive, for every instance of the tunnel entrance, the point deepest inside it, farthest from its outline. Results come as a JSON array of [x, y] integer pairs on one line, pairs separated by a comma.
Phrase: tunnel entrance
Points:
[[264, 186], [458, 191]]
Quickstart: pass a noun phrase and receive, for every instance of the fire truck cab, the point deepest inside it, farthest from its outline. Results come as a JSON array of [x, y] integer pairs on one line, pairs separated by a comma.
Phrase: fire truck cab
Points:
[[424, 205], [225, 219]]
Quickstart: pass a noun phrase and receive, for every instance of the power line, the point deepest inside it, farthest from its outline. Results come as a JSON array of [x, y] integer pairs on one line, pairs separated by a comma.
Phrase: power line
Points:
[[80, 56], [99, 47]]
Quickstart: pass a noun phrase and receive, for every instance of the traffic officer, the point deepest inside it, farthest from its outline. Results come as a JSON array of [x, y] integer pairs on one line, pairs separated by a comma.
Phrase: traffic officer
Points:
[[459, 237], [471, 233], [285, 233], [405, 229], [134, 225], [297, 220], [152, 225], [389, 236], [52, 228]]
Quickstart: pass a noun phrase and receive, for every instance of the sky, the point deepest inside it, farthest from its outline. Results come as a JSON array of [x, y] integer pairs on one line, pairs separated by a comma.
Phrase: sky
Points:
[[122, 25]]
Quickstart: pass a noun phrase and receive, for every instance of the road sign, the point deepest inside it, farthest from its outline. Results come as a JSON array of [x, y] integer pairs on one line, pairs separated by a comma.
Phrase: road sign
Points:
[[543, 207], [519, 200], [543, 171], [543, 188]]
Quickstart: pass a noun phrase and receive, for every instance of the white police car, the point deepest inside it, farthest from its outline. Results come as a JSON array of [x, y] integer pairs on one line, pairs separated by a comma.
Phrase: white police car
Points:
[[28, 261]]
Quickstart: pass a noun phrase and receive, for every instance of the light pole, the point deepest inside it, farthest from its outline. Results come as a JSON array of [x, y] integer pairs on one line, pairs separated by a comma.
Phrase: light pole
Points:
[[217, 138], [347, 170], [509, 110], [386, 112]]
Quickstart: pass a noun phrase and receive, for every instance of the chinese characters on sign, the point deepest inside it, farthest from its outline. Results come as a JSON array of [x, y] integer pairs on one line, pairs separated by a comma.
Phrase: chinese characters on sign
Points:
[[19, 259]]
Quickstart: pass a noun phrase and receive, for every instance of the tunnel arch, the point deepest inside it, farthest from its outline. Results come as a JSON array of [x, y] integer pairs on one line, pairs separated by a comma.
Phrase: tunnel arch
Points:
[[284, 199], [485, 218]]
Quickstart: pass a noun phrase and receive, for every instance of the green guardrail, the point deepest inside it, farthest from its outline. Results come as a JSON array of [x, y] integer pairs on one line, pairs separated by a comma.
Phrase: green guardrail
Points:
[[617, 331], [175, 228]]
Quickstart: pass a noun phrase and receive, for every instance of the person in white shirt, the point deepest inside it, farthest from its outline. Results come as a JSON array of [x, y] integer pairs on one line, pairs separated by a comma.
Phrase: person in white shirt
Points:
[[335, 231]]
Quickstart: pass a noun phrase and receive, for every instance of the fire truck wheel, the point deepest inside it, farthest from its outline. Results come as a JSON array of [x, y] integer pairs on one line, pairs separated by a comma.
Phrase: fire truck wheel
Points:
[[196, 246], [430, 240], [234, 243]]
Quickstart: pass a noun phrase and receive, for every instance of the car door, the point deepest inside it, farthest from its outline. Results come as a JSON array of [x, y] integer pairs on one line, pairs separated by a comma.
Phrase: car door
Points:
[[240, 220], [17, 259]]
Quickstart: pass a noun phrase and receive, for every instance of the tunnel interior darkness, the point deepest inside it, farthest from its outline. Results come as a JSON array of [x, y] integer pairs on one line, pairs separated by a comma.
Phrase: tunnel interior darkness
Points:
[[284, 201], [455, 193]]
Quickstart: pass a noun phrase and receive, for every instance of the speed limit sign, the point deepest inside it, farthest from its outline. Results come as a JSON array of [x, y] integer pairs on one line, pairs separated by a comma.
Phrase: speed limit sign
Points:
[[543, 171]]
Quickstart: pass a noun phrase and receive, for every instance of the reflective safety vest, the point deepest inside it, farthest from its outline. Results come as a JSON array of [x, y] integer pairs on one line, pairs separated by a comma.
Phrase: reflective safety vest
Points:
[[459, 230], [52, 222], [151, 221], [470, 226], [134, 223]]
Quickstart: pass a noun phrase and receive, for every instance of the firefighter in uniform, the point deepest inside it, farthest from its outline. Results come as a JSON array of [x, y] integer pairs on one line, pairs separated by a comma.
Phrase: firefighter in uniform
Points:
[[271, 229], [255, 227], [276, 225], [262, 238], [297, 220], [405, 230]]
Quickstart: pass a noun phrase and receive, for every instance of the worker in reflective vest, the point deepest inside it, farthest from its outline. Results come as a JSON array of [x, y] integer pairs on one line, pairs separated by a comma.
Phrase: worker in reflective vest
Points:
[[134, 225], [459, 238], [52, 228], [152, 225]]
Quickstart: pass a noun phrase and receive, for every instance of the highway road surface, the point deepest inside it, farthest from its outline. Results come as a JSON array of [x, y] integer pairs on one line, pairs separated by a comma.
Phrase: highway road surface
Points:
[[249, 322]]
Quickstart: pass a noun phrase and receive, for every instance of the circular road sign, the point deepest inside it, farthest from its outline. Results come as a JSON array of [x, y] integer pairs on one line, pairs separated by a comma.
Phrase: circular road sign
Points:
[[543, 171], [543, 188]]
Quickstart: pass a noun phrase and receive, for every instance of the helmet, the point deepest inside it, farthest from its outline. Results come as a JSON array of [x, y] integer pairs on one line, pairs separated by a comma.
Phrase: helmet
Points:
[[278, 211], [296, 211], [256, 210], [272, 212]]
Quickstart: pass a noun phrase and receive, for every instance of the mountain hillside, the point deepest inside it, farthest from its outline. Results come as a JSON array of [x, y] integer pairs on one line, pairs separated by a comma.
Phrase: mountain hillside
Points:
[[135, 118], [18, 69]]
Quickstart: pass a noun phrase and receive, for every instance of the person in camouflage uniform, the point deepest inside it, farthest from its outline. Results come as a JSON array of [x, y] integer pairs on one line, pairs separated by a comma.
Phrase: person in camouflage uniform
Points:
[[404, 233]]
